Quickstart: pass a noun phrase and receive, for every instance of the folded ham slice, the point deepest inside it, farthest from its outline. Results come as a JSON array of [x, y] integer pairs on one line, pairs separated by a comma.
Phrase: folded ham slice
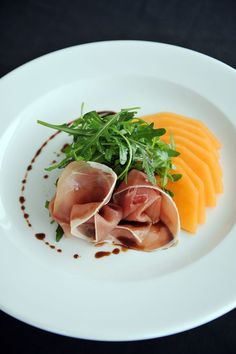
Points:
[[82, 190], [150, 217], [139, 216]]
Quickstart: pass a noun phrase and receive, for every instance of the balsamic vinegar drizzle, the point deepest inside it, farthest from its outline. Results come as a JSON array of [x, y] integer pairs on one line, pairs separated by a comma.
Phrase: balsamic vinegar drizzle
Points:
[[22, 199], [76, 256], [101, 254], [115, 251], [41, 237]]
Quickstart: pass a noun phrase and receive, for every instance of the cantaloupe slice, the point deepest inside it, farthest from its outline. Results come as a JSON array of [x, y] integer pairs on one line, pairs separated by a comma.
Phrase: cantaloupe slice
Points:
[[205, 156], [179, 163], [198, 164], [161, 120], [202, 170], [201, 141], [186, 197], [199, 124], [208, 157]]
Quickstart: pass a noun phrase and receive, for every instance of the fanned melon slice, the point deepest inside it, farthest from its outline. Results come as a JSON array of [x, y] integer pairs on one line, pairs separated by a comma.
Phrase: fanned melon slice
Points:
[[199, 124], [205, 156], [202, 170], [198, 163], [186, 197], [179, 163], [161, 120], [201, 141]]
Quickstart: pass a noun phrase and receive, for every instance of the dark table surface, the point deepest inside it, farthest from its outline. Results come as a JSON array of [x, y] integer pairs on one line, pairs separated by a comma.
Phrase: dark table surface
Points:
[[29, 29]]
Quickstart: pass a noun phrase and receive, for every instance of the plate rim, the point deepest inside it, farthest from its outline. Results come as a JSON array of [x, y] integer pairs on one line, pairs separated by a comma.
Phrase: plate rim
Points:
[[87, 44], [5, 77]]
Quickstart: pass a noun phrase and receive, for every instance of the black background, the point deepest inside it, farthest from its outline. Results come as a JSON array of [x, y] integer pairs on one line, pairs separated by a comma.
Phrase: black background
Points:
[[29, 29]]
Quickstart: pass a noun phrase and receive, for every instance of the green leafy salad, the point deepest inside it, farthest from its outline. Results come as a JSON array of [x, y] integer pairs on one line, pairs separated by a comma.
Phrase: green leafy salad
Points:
[[121, 141]]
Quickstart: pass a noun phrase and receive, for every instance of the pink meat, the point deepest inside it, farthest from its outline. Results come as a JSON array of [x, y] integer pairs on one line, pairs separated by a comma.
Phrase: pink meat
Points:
[[140, 216], [150, 218], [82, 190], [139, 203], [143, 236], [100, 226]]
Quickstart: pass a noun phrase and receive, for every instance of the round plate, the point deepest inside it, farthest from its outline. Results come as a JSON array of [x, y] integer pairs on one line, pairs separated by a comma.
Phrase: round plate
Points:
[[132, 295]]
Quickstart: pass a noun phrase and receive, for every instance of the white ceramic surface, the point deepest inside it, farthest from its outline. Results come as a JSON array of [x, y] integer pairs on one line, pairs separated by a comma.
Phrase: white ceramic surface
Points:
[[132, 295]]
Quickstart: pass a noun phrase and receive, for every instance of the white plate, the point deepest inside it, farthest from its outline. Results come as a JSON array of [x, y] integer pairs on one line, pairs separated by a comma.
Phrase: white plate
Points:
[[132, 295]]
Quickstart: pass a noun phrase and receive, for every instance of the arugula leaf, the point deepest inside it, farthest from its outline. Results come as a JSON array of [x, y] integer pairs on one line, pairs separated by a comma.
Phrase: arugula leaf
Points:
[[175, 177], [123, 153], [120, 140], [59, 233], [170, 193], [173, 153], [148, 168]]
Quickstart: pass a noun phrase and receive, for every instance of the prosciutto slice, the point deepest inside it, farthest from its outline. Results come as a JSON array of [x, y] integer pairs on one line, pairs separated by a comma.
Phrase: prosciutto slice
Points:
[[82, 190], [137, 215], [150, 218]]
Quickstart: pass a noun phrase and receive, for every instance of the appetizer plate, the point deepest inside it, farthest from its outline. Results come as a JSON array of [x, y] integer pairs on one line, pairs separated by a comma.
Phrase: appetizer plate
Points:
[[131, 295]]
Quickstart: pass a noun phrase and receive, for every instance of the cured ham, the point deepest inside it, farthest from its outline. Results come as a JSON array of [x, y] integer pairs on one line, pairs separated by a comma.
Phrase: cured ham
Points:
[[99, 227], [137, 214], [150, 218], [82, 190]]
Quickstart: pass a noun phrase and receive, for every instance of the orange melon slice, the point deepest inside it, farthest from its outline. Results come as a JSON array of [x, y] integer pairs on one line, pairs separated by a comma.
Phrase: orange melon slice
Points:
[[202, 170], [198, 164], [205, 156], [186, 197], [199, 124], [201, 141], [161, 120], [179, 163]]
